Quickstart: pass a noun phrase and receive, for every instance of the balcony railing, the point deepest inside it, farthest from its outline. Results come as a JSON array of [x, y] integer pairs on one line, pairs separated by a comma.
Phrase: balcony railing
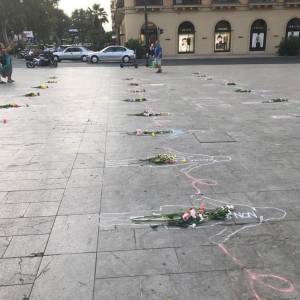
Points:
[[187, 2], [261, 1], [225, 2], [149, 2]]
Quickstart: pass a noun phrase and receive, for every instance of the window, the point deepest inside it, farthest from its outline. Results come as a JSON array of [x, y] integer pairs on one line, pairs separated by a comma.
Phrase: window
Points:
[[293, 28], [120, 49], [152, 33], [258, 35], [222, 36], [76, 50], [186, 38], [69, 50]]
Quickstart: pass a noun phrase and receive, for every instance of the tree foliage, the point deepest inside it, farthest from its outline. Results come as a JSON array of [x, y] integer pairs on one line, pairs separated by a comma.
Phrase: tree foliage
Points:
[[289, 47], [49, 23]]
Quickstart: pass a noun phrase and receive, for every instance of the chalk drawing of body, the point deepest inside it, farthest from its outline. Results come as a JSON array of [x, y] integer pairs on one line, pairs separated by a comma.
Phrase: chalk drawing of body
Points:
[[243, 218]]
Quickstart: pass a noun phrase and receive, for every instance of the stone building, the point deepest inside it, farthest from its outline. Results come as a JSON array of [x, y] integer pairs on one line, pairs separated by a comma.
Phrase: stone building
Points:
[[208, 27]]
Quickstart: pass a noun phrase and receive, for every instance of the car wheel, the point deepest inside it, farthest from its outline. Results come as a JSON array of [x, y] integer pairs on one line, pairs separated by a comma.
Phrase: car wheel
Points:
[[94, 59], [83, 58], [126, 59]]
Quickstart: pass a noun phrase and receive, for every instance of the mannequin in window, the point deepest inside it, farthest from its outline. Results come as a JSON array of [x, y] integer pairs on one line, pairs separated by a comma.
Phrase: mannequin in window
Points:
[[258, 44], [220, 42]]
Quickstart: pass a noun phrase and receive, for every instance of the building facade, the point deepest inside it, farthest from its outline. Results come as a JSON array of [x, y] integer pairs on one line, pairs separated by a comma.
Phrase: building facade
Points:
[[208, 27]]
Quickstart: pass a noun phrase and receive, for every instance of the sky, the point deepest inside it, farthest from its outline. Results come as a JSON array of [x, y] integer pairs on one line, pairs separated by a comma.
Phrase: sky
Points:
[[69, 5]]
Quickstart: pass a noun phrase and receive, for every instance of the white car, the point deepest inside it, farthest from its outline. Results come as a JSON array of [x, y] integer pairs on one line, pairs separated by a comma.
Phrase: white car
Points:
[[112, 53], [73, 53]]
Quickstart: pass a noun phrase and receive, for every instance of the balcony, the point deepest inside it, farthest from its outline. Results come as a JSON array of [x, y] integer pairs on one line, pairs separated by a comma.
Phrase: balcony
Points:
[[292, 3], [225, 3], [261, 3], [187, 2], [150, 3]]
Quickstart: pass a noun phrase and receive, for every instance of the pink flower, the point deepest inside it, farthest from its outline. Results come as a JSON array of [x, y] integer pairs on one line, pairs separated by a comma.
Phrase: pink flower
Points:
[[193, 212], [139, 132], [186, 216]]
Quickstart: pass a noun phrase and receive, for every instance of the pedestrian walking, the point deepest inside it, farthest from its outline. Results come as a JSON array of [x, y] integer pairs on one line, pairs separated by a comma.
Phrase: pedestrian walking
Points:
[[158, 56], [6, 63]]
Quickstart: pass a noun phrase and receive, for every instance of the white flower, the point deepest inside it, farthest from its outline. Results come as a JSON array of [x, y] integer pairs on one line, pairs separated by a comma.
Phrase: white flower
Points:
[[193, 225], [230, 207]]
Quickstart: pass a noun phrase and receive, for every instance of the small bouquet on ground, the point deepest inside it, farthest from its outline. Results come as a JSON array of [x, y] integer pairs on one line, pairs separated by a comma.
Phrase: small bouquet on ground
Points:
[[192, 217], [6, 106], [153, 133], [231, 83], [242, 91], [42, 86], [148, 113], [276, 100], [135, 100], [52, 81], [138, 91], [161, 159], [32, 94]]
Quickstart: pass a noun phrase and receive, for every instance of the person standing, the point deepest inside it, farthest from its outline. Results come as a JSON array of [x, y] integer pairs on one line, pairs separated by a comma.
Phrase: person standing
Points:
[[6, 61], [158, 56]]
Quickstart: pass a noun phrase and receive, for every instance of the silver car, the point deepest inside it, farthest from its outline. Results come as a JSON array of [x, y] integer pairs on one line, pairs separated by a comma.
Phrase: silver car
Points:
[[112, 53], [73, 53]]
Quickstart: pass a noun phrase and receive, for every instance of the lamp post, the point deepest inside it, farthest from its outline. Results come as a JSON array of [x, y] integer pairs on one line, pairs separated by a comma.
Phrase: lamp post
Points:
[[146, 33]]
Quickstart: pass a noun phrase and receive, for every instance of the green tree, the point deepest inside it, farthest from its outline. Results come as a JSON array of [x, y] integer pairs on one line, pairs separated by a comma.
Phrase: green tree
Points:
[[10, 10]]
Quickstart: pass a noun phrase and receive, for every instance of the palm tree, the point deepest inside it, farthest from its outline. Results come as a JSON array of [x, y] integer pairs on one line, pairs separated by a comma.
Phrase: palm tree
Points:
[[98, 15]]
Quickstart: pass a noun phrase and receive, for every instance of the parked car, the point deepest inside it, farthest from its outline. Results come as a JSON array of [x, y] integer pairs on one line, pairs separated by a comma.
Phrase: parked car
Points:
[[73, 53], [112, 53]]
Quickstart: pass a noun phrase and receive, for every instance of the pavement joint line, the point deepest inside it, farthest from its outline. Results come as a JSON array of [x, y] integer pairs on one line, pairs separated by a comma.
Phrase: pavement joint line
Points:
[[173, 273], [101, 197], [62, 196]]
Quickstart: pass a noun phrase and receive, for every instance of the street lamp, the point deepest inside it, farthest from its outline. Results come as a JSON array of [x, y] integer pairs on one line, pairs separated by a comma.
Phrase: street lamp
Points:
[[146, 33]]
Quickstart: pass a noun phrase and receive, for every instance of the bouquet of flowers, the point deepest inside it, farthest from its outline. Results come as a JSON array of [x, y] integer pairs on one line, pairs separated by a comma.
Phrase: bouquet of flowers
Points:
[[151, 132], [135, 100], [192, 217], [276, 100], [6, 106], [32, 94], [243, 91], [148, 113], [42, 86], [138, 91], [161, 159]]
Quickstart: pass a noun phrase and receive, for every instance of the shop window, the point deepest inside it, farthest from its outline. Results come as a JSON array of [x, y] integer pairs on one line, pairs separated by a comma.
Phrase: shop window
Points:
[[293, 28], [258, 36], [186, 38], [222, 36]]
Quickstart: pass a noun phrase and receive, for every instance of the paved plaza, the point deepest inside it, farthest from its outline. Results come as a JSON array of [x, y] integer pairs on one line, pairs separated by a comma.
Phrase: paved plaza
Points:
[[70, 179]]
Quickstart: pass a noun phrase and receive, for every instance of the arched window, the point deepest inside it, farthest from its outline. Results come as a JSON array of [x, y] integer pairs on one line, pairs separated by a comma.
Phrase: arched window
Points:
[[152, 33], [222, 36], [186, 38], [258, 35], [293, 28]]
